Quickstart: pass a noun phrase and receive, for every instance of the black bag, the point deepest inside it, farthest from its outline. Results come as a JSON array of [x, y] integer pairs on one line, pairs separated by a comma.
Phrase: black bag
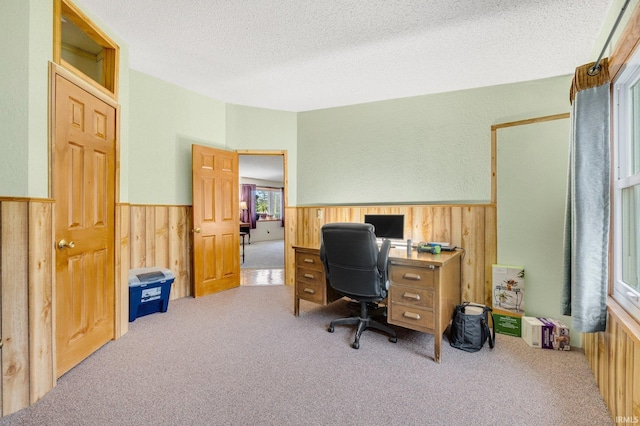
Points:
[[470, 330]]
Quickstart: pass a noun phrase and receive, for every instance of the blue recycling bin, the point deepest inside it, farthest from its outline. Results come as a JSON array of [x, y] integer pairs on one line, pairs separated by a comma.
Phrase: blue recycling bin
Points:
[[149, 290]]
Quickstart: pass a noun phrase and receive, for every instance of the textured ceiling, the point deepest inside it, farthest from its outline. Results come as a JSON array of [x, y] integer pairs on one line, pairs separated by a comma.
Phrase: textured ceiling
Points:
[[299, 55]]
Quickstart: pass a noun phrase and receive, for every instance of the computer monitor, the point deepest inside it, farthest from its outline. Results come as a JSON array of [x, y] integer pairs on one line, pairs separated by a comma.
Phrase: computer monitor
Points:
[[389, 226]]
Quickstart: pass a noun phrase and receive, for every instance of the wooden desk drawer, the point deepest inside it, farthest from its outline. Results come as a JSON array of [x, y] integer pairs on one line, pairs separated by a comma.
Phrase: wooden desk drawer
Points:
[[311, 291], [413, 296], [310, 275], [412, 317], [412, 276], [309, 261]]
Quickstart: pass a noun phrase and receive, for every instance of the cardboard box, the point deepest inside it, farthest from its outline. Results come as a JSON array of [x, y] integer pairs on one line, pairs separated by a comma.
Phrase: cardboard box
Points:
[[506, 323], [555, 335], [508, 299], [508, 288], [532, 331]]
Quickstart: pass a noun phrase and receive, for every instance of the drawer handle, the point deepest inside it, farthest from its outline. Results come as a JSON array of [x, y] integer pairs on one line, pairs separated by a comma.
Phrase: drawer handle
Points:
[[411, 315], [309, 290], [411, 296], [310, 276], [308, 260], [412, 277]]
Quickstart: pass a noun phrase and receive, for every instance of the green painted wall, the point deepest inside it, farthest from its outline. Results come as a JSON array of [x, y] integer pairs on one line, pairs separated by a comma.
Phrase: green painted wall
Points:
[[424, 149], [26, 43], [26, 40], [165, 121], [265, 129], [532, 164]]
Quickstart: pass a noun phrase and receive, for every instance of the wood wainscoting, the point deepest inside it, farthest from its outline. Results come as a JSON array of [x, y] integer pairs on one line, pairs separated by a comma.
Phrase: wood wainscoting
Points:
[[148, 236], [158, 236], [614, 357], [26, 286], [472, 227]]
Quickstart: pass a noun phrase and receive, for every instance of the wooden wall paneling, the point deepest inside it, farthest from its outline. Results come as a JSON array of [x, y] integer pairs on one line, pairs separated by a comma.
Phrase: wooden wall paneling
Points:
[[603, 339], [613, 357], [473, 224], [149, 236], [635, 385], [122, 265], [620, 350], [612, 341], [629, 375], [291, 225], [179, 250], [160, 238], [138, 237], [490, 251], [41, 272], [456, 226], [14, 270], [441, 220]]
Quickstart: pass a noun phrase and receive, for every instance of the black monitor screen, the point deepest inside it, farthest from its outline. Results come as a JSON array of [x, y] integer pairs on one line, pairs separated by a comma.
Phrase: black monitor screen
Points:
[[387, 225]]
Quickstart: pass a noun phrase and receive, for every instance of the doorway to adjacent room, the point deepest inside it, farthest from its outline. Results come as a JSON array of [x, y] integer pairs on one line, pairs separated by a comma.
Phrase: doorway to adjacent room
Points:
[[262, 207]]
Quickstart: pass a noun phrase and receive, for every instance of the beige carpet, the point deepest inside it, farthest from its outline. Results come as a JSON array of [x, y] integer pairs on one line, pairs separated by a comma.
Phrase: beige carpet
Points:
[[263, 255], [240, 357]]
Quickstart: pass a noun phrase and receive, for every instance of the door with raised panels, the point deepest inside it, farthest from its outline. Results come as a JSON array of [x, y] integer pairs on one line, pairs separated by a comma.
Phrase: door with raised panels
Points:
[[216, 253], [84, 193]]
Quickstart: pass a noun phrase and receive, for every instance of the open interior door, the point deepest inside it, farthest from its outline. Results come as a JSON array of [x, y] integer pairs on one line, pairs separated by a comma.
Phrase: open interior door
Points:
[[216, 222]]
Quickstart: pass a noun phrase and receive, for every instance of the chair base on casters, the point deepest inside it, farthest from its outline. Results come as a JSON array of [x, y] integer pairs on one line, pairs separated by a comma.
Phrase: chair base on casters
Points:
[[364, 321]]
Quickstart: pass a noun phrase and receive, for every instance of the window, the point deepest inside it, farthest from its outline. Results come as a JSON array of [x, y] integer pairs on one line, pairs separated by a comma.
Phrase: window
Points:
[[268, 203], [81, 47], [626, 188]]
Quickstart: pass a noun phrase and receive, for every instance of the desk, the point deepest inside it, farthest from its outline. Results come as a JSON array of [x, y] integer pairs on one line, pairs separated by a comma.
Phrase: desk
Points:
[[424, 288], [246, 227]]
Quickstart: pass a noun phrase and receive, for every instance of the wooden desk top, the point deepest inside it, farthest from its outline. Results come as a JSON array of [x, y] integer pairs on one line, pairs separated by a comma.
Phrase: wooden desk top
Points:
[[399, 256]]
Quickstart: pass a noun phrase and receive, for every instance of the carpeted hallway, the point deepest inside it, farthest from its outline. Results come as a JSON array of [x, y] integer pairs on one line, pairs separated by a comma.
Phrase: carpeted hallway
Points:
[[240, 357]]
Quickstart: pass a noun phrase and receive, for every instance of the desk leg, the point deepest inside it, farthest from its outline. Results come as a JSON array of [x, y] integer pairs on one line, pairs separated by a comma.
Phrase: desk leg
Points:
[[437, 347], [296, 306]]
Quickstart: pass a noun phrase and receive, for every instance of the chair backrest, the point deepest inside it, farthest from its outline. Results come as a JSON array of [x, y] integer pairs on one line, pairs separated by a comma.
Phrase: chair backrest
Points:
[[353, 263]]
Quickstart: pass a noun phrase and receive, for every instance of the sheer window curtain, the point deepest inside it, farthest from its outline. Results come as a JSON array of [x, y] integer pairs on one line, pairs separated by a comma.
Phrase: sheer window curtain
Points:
[[586, 239]]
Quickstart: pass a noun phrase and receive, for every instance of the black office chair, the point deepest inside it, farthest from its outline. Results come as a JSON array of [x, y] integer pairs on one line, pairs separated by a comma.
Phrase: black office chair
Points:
[[357, 269]]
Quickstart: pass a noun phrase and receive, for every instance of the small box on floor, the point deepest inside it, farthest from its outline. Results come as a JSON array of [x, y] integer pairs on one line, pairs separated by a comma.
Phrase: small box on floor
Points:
[[507, 323], [532, 331], [555, 335]]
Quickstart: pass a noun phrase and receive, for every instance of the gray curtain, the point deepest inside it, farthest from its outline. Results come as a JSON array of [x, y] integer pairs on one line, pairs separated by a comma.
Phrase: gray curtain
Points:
[[586, 240]]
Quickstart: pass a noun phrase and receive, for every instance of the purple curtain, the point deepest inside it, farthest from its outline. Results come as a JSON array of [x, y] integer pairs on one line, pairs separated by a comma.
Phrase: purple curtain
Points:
[[282, 207], [248, 194]]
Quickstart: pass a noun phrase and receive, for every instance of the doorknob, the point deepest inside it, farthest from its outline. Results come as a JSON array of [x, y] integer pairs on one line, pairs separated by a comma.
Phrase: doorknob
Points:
[[197, 230], [64, 244]]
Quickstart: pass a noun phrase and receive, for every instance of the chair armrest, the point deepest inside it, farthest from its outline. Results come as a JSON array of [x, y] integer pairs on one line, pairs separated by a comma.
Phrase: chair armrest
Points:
[[383, 256]]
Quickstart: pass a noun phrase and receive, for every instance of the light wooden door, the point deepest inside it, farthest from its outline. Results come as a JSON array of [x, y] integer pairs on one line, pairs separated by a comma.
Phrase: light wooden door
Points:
[[216, 252], [83, 188]]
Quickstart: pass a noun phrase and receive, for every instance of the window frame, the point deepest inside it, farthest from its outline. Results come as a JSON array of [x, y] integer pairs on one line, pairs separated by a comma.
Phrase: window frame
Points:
[[623, 176], [111, 50], [271, 204]]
